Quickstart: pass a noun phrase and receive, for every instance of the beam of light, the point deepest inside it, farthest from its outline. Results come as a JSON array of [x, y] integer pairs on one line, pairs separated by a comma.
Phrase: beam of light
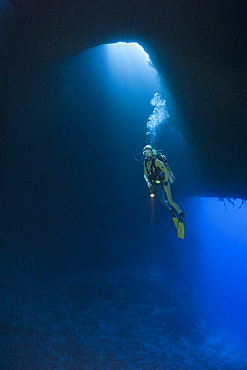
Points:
[[152, 210], [129, 60], [130, 65]]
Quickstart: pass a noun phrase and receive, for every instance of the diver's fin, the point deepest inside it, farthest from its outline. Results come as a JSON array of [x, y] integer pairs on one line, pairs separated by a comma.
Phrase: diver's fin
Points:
[[175, 221], [180, 227], [180, 230]]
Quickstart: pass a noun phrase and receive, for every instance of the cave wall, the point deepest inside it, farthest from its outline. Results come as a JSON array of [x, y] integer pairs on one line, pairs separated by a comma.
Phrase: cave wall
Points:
[[198, 48]]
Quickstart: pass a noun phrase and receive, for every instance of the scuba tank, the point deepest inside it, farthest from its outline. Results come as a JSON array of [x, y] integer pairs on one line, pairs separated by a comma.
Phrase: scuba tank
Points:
[[171, 174], [163, 159]]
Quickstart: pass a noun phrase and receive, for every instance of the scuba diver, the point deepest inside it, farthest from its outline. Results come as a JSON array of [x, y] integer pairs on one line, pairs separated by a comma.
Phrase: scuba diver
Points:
[[158, 175]]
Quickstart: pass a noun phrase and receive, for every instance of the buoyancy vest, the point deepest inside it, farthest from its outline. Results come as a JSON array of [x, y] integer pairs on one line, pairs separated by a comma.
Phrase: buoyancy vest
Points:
[[155, 174]]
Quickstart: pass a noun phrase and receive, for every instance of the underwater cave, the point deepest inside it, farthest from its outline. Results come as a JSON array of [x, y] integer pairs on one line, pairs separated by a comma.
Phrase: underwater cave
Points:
[[93, 274]]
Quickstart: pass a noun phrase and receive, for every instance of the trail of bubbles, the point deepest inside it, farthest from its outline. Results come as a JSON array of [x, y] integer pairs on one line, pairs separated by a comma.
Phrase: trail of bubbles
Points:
[[158, 116]]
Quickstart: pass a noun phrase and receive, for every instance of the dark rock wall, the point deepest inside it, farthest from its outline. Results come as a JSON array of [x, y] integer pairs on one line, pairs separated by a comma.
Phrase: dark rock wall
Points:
[[199, 48]]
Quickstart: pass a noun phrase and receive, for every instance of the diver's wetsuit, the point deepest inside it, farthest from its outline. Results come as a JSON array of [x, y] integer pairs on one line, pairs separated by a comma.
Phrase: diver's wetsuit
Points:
[[156, 173]]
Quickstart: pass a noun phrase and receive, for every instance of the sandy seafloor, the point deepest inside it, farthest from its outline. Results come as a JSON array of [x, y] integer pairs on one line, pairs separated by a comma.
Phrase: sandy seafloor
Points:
[[118, 319]]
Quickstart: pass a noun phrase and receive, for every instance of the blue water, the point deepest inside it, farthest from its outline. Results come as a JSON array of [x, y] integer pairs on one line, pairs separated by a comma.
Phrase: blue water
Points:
[[222, 260], [94, 276]]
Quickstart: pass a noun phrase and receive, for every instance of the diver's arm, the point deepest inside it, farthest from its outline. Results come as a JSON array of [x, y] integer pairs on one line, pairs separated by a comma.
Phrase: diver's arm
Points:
[[146, 177], [148, 182], [163, 168]]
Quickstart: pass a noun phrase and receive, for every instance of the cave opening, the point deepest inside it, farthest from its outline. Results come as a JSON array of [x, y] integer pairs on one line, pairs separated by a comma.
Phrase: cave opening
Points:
[[125, 83]]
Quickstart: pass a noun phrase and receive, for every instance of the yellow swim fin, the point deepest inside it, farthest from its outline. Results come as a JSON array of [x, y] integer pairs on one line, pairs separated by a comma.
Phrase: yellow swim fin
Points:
[[175, 221], [180, 230], [180, 227], [178, 223]]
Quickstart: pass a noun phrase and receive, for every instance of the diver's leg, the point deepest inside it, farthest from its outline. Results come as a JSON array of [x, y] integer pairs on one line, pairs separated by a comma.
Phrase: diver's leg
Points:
[[161, 194], [167, 190], [178, 221], [162, 199]]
